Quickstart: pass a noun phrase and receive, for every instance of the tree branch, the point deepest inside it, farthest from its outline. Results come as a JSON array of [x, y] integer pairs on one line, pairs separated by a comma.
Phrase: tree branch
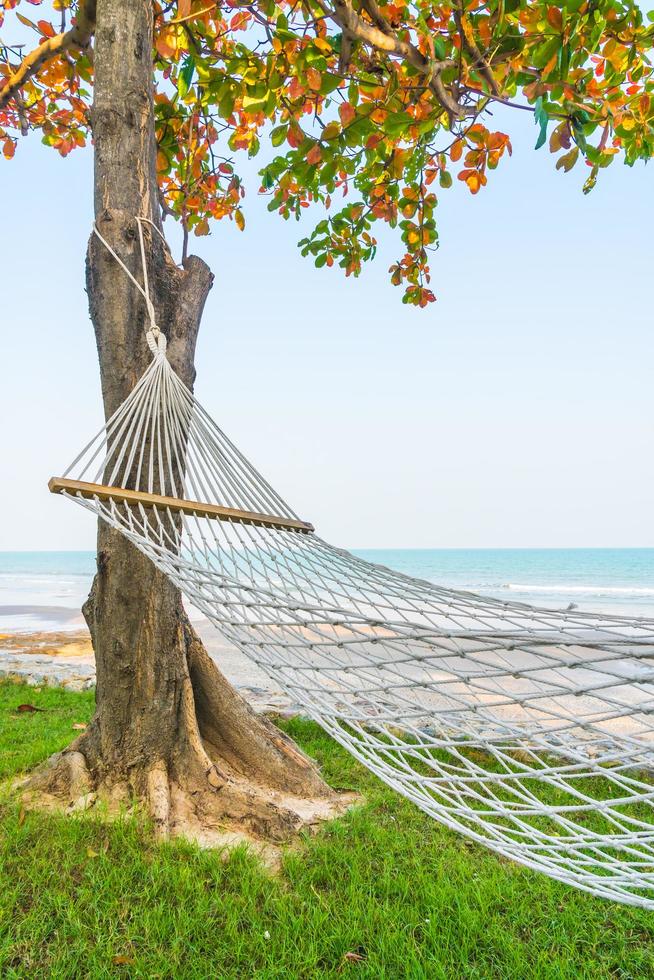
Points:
[[78, 36], [381, 36], [479, 61]]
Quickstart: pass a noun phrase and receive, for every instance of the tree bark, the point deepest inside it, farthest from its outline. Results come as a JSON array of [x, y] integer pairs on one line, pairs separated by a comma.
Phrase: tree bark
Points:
[[168, 728]]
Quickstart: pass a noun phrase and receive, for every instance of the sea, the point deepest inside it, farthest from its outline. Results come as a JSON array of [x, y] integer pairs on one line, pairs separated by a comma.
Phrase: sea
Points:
[[44, 590]]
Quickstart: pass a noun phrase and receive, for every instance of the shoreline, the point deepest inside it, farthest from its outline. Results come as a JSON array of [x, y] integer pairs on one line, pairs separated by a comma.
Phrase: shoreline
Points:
[[64, 658]]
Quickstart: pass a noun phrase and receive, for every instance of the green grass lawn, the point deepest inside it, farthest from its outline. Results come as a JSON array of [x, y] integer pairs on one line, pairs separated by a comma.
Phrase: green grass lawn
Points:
[[407, 897]]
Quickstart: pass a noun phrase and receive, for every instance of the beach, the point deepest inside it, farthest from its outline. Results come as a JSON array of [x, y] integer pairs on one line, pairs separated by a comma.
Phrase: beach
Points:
[[64, 658], [44, 640]]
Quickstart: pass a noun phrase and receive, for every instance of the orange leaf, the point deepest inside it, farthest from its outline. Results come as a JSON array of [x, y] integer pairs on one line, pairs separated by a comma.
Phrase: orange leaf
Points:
[[347, 113], [475, 180], [555, 18], [296, 88], [46, 29], [314, 155], [240, 21], [8, 149], [455, 151], [314, 78], [497, 140], [294, 137]]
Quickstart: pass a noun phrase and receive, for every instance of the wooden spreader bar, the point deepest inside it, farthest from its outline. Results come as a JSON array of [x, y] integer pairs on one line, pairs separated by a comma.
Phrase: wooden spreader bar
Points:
[[214, 511]]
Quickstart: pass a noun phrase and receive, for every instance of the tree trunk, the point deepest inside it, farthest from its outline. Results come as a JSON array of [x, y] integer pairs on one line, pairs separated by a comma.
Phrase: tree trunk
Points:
[[168, 728]]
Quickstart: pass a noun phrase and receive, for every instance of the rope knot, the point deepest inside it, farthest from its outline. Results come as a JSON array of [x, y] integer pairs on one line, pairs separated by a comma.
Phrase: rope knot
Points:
[[156, 341]]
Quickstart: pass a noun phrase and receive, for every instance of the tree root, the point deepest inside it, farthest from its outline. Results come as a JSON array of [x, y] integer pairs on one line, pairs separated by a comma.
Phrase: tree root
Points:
[[190, 754], [185, 801]]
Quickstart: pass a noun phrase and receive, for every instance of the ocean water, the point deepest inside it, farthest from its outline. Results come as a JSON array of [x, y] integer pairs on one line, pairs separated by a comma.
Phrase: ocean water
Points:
[[45, 590], [617, 580]]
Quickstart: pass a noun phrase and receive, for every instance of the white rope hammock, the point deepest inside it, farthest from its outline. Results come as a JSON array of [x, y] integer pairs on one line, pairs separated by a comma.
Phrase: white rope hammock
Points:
[[528, 730]]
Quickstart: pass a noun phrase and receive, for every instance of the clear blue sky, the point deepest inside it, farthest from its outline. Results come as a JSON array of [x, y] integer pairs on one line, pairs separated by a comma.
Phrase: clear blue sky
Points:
[[516, 411]]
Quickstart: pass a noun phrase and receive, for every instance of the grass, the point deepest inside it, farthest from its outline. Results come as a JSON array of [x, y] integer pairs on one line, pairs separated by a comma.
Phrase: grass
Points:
[[385, 892]]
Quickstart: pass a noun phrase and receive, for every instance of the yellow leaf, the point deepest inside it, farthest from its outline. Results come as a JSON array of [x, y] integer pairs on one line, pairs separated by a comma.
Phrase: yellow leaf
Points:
[[239, 219], [166, 43], [26, 21], [331, 131]]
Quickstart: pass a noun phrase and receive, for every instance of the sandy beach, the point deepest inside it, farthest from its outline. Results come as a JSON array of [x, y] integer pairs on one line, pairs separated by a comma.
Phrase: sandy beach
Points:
[[65, 658]]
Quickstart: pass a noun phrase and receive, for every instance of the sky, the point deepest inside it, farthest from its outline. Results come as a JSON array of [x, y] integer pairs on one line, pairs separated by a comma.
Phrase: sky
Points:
[[516, 411]]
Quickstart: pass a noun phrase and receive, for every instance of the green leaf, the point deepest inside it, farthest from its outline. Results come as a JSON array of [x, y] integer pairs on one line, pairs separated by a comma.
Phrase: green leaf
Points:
[[542, 119], [544, 52], [226, 105], [185, 76], [564, 60], [329, 83], [397, 123], [540, 114], [542, 136], [579, 135], [254, 103], [591, 181], [278, 135], [439, 48]]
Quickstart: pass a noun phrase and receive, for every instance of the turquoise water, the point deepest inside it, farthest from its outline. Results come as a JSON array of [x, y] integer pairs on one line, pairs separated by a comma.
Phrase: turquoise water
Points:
[[45, 590], [609, 579]]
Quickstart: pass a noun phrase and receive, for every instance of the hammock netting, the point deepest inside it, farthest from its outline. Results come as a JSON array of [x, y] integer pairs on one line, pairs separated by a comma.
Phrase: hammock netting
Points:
[[528, 730]]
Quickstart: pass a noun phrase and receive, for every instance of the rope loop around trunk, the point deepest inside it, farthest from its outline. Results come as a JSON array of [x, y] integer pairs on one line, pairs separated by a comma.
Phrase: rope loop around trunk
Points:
[[153, 333]]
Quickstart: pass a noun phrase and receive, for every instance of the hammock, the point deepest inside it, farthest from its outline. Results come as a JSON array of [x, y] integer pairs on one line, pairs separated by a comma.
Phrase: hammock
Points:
[[528, 730]]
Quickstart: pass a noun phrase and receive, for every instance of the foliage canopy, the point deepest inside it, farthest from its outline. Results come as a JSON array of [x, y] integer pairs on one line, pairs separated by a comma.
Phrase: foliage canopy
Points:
[[371, 107]]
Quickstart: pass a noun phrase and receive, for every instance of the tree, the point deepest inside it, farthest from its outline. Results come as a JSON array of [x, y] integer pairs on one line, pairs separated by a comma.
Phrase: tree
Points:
[[373, 105]]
